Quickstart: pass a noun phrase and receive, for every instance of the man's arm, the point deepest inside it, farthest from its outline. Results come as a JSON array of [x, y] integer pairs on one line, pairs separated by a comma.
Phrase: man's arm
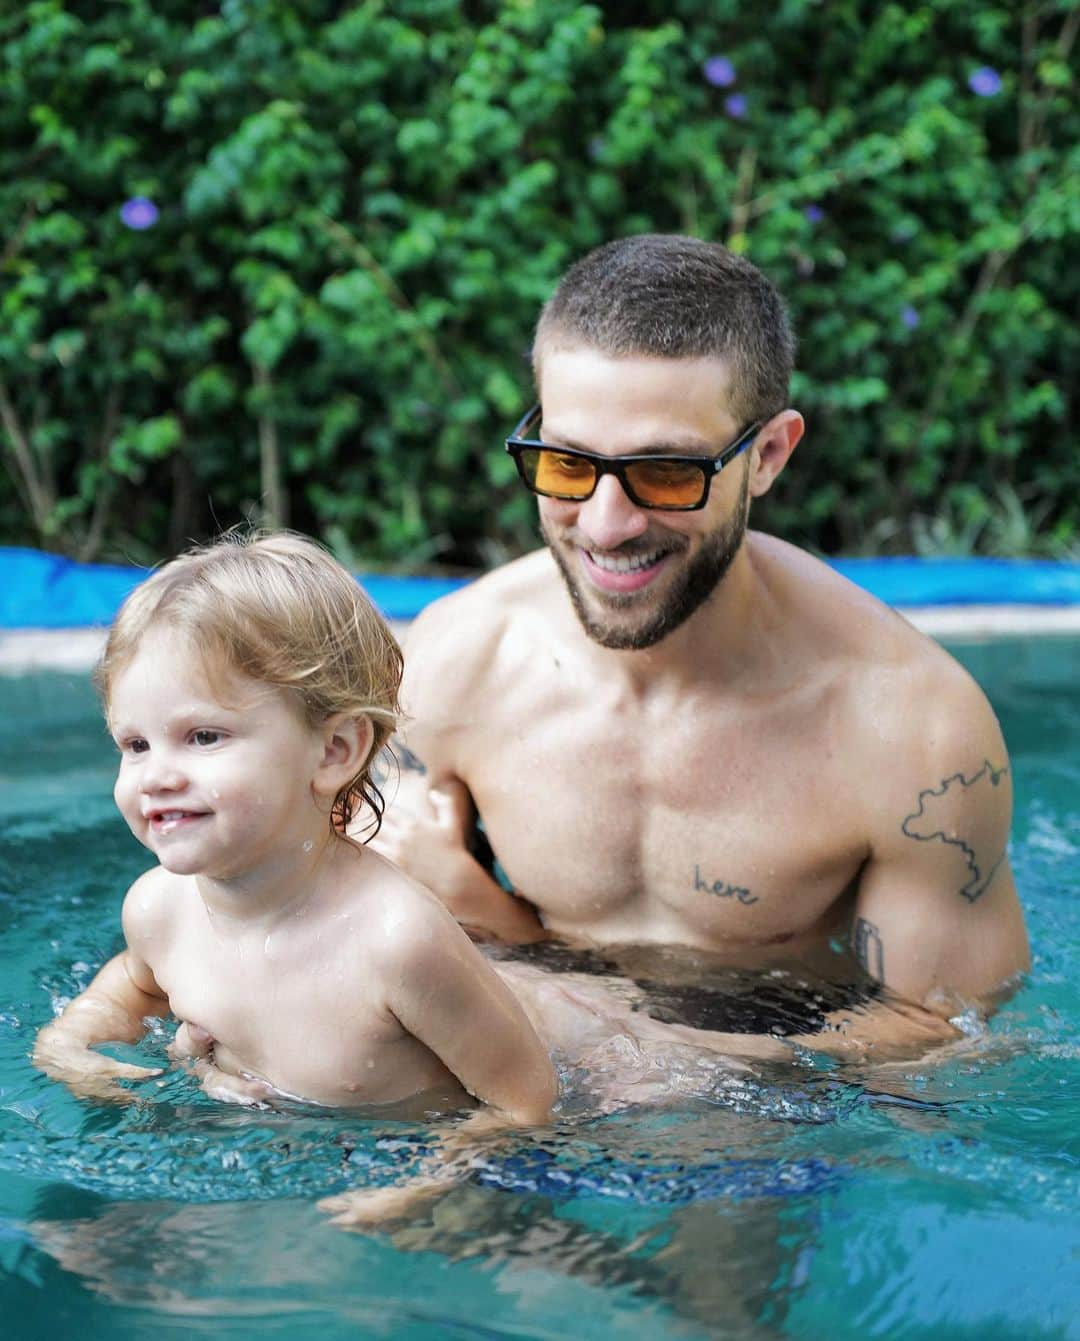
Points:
[[429, 825], [428, 830], [937, 921]]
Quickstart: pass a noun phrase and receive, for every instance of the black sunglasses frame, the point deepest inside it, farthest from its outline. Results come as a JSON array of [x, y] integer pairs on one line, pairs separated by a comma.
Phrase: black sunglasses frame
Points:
[[710, 466]]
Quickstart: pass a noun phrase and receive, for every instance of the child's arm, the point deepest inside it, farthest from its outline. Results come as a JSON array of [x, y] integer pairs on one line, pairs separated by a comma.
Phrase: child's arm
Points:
[[445, 993], [111, 1010]]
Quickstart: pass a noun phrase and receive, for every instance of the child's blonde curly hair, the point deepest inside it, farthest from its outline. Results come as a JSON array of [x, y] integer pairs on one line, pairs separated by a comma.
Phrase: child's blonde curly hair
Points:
[[278, 608]]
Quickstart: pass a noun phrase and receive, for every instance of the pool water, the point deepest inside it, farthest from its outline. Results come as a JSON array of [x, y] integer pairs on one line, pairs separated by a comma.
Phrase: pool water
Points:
[[799, 1203]]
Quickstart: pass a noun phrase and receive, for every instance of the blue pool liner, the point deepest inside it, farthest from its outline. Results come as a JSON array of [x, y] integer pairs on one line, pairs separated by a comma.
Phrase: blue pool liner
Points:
[[47, 591], [539, 1172]]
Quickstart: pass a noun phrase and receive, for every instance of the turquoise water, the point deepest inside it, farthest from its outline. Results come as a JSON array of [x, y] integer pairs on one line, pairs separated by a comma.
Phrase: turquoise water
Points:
[[799, 1204]]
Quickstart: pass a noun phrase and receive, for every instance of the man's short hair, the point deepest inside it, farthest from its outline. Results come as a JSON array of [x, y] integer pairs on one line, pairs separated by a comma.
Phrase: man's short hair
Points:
[[667, 296]]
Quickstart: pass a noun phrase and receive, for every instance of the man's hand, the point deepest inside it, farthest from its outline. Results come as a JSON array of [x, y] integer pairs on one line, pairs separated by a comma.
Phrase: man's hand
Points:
[[451, 1161], [193, 1049], [425, 831]]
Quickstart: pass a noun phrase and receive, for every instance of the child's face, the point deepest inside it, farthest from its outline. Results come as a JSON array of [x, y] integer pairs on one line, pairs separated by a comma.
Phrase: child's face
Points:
[[214, 779]]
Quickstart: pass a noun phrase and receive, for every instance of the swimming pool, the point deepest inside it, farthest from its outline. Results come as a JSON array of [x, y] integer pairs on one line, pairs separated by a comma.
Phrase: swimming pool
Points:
[[798, 1205]]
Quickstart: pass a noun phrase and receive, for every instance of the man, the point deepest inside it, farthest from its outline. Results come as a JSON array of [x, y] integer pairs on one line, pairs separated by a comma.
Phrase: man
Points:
[[679, 732]]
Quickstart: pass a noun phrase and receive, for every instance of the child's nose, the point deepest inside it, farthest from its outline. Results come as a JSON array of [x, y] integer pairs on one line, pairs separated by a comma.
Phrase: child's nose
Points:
[[160, 773]]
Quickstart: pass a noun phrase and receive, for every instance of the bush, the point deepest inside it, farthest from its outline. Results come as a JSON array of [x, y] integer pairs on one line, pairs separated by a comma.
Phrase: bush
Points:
[[284, 259]]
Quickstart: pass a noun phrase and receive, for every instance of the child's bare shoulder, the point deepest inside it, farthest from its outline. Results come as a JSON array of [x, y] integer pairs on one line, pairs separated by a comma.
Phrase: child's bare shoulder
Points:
[[411, 924], [153, 902]]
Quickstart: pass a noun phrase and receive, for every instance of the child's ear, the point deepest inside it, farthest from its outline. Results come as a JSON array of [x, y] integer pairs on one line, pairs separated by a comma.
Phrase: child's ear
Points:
[[346, 744]]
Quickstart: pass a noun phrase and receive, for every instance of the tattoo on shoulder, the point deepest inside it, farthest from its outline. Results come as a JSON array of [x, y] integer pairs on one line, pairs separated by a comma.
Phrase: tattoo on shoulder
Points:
[[410, 762], [722, 889], [924, 825], [869, 951]]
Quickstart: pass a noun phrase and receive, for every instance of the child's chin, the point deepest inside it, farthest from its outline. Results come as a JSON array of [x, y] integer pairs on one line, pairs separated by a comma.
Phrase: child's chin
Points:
[[177, 865]]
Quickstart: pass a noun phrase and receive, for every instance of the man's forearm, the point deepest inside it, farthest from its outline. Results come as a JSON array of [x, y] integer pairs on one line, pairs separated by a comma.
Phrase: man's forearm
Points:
[[485, 909], [874, 1032]]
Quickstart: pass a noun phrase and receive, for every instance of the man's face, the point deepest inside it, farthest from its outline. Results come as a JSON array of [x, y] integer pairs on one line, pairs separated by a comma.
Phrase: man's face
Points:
[[634, 575]]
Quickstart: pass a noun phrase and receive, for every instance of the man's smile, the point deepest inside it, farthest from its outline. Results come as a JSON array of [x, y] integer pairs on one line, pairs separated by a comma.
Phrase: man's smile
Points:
[[620, 572]]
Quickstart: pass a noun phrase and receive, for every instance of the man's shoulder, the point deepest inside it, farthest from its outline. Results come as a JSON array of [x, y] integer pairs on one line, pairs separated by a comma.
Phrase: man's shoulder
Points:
[[494, 597], [897, 680], [844, 621], [457, 638]]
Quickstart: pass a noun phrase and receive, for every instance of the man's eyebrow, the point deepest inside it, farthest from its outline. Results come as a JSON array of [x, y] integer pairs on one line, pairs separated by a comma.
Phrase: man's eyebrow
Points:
[[695, 448]]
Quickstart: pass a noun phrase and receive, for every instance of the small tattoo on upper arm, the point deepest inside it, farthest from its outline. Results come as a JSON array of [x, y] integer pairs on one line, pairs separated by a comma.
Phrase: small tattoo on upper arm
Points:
[[924, 828], [410, 762], [722, 889], [380, 766], [869, 951]]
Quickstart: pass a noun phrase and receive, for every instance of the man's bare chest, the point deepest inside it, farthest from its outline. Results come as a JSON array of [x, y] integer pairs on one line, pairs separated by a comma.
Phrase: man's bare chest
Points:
[[739, 832]]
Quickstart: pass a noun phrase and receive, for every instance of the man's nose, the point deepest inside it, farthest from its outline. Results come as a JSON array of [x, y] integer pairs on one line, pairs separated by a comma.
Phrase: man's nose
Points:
[[610, 516]]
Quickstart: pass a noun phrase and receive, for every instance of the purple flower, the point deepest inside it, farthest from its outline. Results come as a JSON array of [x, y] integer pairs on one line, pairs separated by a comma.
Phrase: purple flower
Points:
[[814, 213], [139, 213], [719, 72], [985, 82], [909, 316], [735, 105]]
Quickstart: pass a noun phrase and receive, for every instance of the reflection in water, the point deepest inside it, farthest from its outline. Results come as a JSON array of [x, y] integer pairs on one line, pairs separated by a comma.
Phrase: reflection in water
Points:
[[701, 1263]]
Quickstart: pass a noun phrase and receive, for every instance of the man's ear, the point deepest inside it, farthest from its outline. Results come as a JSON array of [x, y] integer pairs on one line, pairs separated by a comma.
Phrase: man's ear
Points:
[[346, 745], [775, 443]]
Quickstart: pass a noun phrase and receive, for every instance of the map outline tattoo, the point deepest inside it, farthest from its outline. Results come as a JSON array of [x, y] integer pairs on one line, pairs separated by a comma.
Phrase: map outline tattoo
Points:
[[978, 884]]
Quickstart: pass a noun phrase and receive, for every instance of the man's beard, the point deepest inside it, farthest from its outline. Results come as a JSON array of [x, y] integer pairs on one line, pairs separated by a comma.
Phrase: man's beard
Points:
[[691, 589]]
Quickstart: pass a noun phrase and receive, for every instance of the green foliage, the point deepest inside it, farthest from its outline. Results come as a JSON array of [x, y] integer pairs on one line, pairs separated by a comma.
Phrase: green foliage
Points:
[[363, 205]]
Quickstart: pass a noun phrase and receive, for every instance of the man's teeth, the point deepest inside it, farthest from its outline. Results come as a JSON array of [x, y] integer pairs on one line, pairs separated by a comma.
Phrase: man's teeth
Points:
[[624, 563]]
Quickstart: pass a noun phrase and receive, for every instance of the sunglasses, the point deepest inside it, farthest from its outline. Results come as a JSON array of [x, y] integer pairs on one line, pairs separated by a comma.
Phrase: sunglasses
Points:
[[673, 483]]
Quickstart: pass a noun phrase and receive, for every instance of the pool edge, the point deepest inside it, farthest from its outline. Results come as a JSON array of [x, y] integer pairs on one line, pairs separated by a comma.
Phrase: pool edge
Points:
[[78, 649]]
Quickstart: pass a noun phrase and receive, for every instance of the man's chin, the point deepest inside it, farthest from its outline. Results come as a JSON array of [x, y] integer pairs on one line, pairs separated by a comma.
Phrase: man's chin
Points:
[[634, 621]]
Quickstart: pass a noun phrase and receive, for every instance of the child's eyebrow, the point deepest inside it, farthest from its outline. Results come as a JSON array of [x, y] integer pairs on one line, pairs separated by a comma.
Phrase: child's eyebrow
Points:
[[187, 714]]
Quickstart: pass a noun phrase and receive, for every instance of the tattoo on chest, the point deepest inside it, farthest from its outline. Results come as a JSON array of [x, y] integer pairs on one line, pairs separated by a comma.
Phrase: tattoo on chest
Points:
[[927, 825], [868, 948], [722, 889]]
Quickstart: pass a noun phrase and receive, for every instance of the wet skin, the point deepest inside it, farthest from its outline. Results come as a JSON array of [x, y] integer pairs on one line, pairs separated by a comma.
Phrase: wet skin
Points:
[[742, 785]]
